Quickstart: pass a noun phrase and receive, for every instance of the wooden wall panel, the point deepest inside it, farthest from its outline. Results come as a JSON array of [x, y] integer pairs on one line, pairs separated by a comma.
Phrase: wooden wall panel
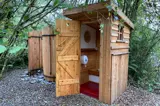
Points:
[[98, 48], [41, 54], [127, 36], [117, 22], [119, 75], [120, 53], [49, 54], [114, 36], [34, 51], [114, 31], [115, 76], [84, 77], [92, 58]]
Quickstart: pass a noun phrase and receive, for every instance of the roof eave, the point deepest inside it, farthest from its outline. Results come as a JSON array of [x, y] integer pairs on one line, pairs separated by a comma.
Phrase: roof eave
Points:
[[98, 6]]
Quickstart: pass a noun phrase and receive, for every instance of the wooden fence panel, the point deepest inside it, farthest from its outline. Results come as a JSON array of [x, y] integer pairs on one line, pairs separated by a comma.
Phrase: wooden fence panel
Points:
[[34, 51], [41, 49], [49, 54]]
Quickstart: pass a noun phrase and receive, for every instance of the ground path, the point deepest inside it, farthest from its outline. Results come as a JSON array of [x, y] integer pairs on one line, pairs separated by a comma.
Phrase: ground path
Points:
[[15, 91]]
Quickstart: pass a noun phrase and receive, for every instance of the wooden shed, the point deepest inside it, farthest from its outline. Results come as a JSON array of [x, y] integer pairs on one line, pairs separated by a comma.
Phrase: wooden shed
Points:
[[92, 50]]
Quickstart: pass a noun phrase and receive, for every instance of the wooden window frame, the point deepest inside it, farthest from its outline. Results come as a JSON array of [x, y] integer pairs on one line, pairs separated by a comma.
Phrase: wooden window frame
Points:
[[120, 33]]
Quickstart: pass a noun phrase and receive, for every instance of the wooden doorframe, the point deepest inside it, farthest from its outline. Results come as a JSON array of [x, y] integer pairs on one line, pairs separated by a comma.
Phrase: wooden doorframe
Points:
[[105, 63]]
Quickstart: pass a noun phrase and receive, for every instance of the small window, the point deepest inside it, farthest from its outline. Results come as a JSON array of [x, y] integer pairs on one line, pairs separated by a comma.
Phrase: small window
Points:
[[120, 32]]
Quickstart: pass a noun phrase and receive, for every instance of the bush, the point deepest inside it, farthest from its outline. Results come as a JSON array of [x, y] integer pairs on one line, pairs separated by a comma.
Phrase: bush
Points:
[[142, 71]]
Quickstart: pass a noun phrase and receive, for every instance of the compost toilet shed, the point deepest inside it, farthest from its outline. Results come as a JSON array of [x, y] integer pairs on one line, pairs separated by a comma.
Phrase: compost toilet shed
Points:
[[91, 52]]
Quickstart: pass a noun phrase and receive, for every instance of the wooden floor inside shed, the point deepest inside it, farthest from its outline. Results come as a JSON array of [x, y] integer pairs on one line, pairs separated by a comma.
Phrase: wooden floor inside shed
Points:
[[91, 89]]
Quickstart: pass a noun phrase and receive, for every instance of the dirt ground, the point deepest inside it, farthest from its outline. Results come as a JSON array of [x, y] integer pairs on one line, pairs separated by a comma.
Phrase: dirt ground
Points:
[[15, 90]]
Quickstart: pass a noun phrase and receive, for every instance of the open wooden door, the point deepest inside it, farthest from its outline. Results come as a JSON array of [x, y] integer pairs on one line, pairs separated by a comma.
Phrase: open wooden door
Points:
[[67, 57]]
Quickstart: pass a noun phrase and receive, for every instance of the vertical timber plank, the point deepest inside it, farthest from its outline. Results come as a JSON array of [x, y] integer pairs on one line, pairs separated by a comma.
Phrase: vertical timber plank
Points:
[[48, 54], [34, 50], [105, 63], [41, 56], [115, 77], [58, 28]]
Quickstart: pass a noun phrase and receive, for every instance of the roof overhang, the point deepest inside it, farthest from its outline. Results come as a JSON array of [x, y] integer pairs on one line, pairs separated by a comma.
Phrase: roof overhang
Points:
[[90, 12]]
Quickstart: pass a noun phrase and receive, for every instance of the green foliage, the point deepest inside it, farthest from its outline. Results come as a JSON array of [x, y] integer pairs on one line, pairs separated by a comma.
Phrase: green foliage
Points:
[[56, 2], [2, 49], [66, 5], [18, 61], [141, 68], [101, 28], [17, 19], [0, 76], [56, 32], [144, 41], [15, 49], [109, 7]]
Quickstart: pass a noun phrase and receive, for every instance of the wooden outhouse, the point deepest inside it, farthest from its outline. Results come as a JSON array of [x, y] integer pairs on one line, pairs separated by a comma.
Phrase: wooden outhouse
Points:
[[91, 51]]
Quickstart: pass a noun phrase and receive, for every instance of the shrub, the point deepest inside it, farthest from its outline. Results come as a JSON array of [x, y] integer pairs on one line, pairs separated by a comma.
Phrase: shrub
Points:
[[142, 70]]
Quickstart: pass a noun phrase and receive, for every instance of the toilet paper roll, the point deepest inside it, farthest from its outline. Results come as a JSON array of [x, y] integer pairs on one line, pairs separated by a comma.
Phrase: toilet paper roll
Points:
[[84, 59]]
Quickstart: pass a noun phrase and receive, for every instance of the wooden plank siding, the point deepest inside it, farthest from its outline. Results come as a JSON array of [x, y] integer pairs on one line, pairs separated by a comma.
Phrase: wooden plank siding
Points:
[[120, 54], [84, 77], [49, 54], [92, 58], [41, 51], [34, 51], [119, 75]]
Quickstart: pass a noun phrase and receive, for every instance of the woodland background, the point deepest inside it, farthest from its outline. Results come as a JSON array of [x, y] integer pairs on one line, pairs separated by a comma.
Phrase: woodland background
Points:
[[18, 17]]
